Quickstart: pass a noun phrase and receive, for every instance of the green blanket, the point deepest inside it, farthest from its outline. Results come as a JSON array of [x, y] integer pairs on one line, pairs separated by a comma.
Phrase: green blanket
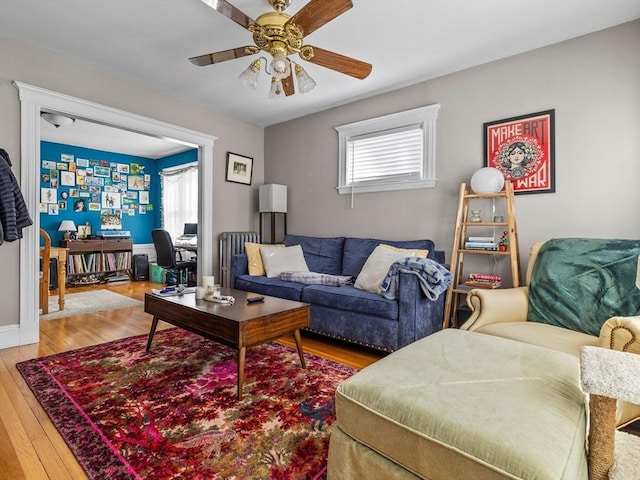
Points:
[[578, 283]]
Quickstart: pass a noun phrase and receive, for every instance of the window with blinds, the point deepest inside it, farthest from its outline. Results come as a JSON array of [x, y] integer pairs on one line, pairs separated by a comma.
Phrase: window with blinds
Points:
[[394, 152]]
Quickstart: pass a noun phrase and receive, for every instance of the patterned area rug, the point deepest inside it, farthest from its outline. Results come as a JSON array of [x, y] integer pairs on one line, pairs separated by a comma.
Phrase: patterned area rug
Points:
[[85, 302], [173, 412]]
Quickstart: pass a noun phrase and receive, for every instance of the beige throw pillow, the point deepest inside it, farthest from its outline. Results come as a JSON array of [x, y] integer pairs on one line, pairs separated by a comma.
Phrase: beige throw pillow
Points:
[[377, 266], [284, 259], [254, 257], [409, 252]]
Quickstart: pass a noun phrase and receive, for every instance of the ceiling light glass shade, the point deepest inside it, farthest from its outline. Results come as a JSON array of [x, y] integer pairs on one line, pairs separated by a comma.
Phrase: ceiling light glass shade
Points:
[[56, 119], [276, 88], [249, 77], [305, 82], [280, 66]]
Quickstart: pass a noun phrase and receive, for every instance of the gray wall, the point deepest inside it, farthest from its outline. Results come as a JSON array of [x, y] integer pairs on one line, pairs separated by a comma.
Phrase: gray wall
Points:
[[592, 82], [234, 204]]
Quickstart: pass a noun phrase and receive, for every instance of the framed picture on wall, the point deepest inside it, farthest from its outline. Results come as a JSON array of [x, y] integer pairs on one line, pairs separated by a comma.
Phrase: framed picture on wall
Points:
[[239, 168], [523, 149], [84, 231]]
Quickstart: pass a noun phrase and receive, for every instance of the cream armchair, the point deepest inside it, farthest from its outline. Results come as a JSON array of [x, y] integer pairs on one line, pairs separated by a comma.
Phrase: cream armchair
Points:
[[503, 313]]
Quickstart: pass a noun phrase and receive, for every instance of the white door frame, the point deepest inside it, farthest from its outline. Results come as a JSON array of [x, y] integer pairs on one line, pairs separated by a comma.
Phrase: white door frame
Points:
[[32, 101]]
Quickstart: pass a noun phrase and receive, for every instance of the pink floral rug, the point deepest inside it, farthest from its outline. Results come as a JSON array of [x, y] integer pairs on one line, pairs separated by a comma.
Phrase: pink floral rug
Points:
[[173, 412]]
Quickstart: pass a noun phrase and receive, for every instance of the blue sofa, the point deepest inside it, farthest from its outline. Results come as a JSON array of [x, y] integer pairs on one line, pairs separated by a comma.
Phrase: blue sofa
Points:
[[345, 312]]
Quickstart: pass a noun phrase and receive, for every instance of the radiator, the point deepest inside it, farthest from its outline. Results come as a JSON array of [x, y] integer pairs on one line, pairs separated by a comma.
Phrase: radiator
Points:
[[232, 243]]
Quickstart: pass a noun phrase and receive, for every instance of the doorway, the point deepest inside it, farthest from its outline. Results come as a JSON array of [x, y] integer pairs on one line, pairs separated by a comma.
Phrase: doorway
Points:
[[33, 100]]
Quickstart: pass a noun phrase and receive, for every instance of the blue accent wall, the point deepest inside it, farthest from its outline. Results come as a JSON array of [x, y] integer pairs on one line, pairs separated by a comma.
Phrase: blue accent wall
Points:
[[70, 159]]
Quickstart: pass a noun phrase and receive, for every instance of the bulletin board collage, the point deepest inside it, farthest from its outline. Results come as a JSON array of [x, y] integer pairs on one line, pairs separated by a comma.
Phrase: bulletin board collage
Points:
[[110, 189]]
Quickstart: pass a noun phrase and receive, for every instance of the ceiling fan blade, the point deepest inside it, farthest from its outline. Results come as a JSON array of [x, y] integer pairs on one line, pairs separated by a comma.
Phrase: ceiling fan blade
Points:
[[316, 13], [231, 12], [217, 57], [341, 63], [287, 85]]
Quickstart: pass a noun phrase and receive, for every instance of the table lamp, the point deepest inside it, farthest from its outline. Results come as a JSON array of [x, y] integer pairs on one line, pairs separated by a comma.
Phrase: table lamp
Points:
[[67, 226], [273, 200]]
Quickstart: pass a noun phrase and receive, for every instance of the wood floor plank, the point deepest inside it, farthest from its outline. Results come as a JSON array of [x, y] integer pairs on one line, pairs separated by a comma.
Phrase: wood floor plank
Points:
[[30, 446]]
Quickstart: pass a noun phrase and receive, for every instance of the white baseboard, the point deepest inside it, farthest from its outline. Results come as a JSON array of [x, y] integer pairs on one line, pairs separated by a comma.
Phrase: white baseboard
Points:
[[148, 248]]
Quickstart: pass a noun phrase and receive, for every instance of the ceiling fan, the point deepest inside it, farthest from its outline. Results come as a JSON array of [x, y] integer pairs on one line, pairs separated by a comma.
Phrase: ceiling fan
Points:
[[281, 35]]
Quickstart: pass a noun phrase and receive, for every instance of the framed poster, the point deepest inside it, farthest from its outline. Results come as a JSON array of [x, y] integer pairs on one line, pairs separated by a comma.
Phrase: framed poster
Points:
[[239, 168], [523, 149]]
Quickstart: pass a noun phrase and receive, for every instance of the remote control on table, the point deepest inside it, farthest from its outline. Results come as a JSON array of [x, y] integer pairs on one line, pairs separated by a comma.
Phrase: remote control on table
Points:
[[255, 299]]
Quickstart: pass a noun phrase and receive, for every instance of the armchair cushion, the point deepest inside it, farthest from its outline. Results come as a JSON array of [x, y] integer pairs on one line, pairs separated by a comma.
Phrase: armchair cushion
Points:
[[578, 283]]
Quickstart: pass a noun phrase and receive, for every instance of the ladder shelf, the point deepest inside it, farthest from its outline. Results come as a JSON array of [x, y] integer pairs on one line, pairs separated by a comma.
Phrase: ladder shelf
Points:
[[463, 225]]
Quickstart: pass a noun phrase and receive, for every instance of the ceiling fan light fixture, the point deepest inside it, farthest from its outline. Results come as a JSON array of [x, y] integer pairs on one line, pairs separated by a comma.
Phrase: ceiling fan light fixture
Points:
[[305, 82], [280, 66], [249, 77], [276, 88]]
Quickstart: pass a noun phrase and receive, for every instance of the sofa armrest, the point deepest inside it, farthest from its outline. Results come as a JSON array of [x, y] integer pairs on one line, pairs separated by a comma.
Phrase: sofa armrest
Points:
[[239, 266], [418, 315], [495, 306], [621, 333]]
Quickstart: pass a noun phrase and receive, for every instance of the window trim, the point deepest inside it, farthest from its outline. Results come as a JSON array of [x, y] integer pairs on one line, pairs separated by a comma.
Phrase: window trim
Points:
[[424, 116]]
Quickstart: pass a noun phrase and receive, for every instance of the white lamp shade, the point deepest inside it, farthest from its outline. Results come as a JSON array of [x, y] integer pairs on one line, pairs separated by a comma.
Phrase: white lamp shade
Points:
[[273, 198], [487, 180], [67, 226]]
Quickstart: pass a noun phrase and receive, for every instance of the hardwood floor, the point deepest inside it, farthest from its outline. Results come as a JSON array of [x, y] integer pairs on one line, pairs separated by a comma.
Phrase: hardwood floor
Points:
[[30, 446]]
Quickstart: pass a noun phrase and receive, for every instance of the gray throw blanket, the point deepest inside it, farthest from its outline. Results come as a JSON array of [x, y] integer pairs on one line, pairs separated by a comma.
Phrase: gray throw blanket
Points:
[[434, 278], [315, 278]]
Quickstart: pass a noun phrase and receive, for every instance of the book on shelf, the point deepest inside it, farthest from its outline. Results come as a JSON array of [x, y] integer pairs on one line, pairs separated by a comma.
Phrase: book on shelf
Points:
[[482, 239], [481, 284], [480, 246], [487, 277], [483, 280]]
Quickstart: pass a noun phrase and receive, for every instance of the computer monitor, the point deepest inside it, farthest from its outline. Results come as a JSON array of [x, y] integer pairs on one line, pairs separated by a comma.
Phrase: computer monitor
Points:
[[190, 229]]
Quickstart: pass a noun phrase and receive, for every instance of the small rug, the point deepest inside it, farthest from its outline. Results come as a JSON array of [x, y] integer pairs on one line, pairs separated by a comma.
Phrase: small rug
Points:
[[173, 412], [85, 302]]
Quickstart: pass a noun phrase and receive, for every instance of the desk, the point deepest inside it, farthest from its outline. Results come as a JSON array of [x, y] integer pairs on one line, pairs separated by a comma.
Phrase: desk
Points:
[[61, 254]]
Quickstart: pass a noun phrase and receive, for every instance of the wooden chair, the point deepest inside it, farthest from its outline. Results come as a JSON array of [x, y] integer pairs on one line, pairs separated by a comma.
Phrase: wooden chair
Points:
[[45, 261]]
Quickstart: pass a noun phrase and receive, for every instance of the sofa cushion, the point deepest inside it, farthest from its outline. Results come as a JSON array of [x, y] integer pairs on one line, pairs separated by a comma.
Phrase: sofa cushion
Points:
[[270, 286], [323, 255], [541, 334], [350, 299], [254, 257], [287, 259], [409, 252], [357, 250], [376, 268], [460, 404]]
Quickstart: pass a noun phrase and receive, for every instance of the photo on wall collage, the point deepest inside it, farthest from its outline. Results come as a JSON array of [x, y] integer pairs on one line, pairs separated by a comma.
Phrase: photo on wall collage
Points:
[[86, 185]]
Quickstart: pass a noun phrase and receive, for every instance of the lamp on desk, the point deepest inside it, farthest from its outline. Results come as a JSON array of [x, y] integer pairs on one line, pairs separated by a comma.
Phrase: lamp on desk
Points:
[[273, 200], [67, 226]]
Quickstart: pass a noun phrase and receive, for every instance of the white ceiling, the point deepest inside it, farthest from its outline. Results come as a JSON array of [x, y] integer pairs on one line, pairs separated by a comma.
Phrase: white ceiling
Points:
[[407, 41]]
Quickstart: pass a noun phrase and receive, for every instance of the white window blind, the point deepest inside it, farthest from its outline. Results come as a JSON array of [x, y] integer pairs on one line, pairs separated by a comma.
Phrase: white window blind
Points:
[[393, 155], [394, 152]]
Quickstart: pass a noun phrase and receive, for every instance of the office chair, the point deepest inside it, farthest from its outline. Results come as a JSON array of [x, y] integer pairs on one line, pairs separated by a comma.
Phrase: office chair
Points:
[[166, 255]]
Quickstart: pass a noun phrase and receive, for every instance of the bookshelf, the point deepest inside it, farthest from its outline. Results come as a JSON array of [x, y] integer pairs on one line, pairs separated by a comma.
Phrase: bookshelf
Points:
[[97, 260]]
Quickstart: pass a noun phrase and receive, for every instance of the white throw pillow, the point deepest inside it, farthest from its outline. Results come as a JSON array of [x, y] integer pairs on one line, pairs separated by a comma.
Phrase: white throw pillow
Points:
[[283, 259], [376, 268]]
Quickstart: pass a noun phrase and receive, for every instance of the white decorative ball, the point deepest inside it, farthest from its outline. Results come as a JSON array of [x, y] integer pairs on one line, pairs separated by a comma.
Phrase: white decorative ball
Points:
[[487, 180]]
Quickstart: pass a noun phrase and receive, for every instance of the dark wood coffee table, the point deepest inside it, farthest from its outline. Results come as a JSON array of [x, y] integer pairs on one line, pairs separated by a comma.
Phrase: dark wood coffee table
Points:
[[238, 326]]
